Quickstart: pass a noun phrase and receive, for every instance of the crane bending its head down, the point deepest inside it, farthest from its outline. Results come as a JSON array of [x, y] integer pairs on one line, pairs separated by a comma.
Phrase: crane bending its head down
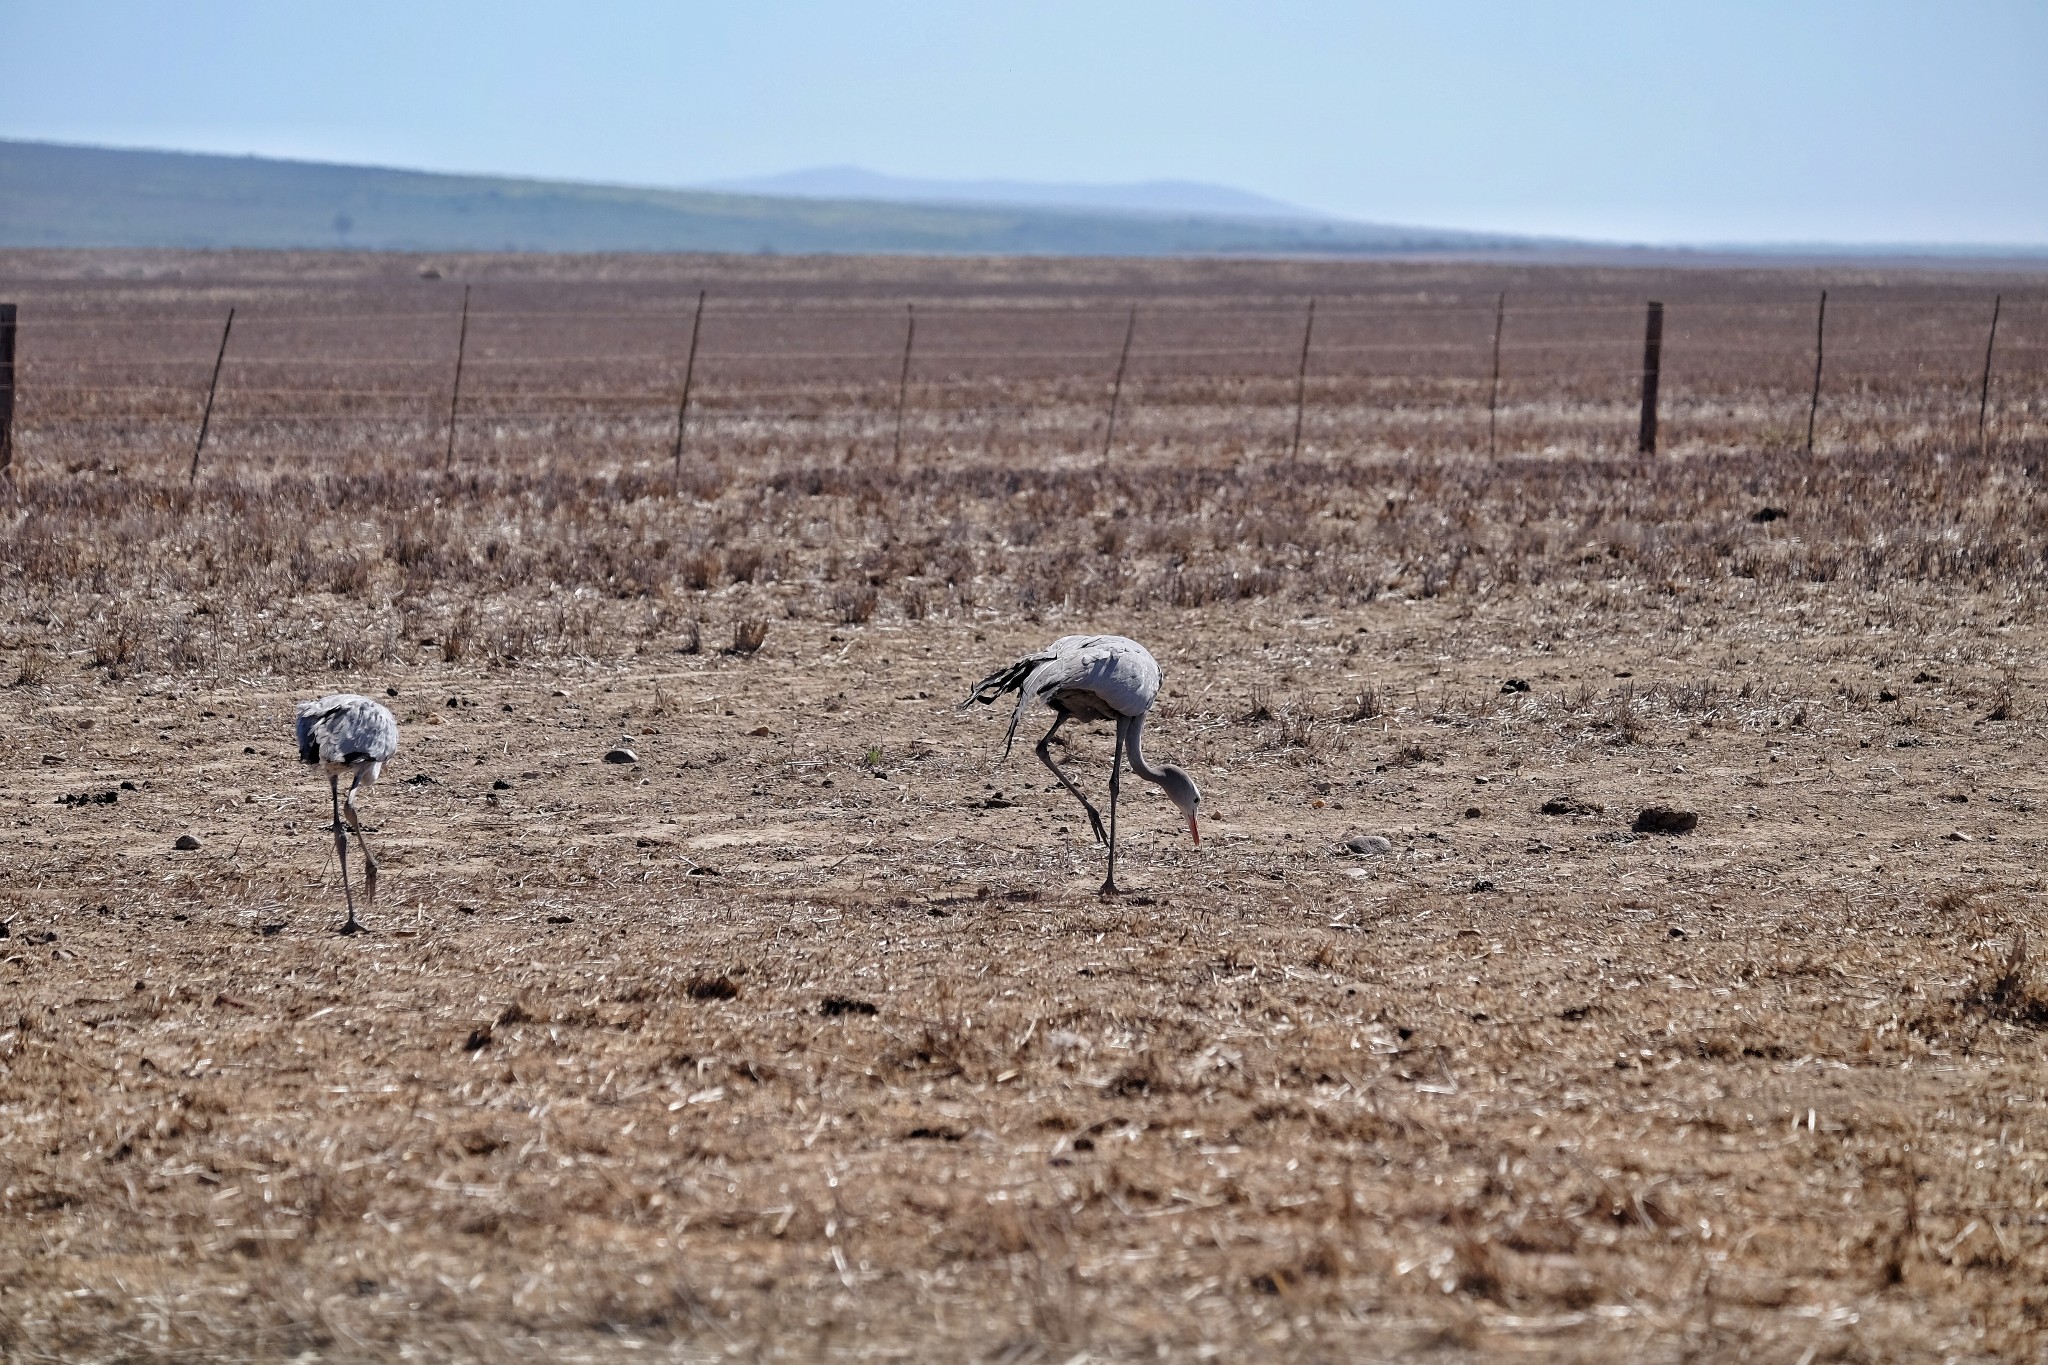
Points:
[[1094, 677], [349, 734]]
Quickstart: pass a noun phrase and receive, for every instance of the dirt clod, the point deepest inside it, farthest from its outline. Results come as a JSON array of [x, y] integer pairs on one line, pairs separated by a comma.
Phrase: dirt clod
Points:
[[1665, 820], [1571, 805]]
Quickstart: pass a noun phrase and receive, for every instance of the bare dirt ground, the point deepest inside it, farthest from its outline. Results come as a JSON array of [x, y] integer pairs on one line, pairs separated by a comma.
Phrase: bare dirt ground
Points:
[[807, 1034]]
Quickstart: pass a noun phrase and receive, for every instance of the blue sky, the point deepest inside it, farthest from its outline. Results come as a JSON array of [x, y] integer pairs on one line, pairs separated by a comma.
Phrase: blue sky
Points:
[[1881, 121]]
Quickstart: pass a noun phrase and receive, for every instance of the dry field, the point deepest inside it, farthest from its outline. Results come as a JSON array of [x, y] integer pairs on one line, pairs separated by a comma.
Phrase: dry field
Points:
[[807, 1036]]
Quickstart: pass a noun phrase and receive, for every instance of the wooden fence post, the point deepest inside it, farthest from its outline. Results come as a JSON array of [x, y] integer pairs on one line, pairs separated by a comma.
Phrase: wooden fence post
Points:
[[1983, 394], [1301, 381], [1500, 310], [455, 394], [903, 379], [1820, 337], [1653, 354], [206, 419], [689, 374], [1116, 390], [7, 392]]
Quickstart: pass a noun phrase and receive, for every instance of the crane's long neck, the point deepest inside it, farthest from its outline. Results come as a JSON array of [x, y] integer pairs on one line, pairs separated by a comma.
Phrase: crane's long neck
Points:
[[1134, 745]]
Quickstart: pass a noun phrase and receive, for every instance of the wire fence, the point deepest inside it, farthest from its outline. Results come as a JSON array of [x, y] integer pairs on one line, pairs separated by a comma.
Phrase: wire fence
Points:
[[300, 379]]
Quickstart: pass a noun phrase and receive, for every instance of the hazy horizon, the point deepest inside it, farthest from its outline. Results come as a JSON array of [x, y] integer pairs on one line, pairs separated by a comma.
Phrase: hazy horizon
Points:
[[1827, 124]]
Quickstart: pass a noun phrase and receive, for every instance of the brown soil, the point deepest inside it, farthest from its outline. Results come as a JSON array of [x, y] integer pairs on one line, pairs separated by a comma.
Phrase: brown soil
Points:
[[807, 1034]]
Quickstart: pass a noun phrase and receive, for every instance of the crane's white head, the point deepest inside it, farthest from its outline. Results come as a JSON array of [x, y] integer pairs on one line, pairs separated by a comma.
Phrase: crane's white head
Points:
[[1182, 791]]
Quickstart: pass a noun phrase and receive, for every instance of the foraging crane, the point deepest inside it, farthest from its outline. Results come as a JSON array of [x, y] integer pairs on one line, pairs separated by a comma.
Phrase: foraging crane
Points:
[[1094, 677], [346, 733]]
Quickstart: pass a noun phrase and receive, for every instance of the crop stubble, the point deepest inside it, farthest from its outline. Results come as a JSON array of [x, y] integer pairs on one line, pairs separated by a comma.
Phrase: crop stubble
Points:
[[806, 1032]]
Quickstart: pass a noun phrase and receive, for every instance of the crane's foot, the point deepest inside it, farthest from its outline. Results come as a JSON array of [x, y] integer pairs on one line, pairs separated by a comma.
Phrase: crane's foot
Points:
[[1110, 888], [351, 928]]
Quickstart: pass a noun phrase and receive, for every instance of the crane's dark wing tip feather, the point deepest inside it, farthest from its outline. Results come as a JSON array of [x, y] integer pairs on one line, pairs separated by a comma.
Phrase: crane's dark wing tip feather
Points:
[[1009, 678]]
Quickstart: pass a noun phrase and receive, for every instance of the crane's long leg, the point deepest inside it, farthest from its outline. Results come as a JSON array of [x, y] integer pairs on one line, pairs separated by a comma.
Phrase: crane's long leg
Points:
[[1045, 757], [348, 808], [341, 849], [1116, 782]]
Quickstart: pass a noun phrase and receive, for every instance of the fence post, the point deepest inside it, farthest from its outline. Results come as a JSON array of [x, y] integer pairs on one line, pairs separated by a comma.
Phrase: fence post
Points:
[[206, 419], [903, 379], [1116, 390], [689, 374], [1820, 337], [1653, 354], [1500, 310], [455, 394], [1301, 380], [6, 393], [1983, 394]]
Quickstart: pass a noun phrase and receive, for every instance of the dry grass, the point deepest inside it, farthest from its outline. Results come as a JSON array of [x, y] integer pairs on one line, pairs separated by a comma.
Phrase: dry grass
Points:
[[806, 1035]]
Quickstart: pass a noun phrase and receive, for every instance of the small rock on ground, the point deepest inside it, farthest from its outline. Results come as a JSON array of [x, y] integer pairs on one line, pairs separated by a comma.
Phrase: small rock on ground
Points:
[[1369, 845], [186, 844]]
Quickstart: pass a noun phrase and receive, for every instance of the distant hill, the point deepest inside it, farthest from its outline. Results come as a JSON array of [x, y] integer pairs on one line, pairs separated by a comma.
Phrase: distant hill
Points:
[[1147, 196], [54, 195]]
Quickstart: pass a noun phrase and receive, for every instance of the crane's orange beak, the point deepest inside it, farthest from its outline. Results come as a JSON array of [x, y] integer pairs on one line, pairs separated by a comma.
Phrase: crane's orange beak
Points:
[[1195, 830]]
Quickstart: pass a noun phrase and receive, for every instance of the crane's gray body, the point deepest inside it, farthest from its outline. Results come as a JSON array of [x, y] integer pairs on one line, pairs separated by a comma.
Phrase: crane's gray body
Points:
[[349, 732], [1087, 677], [1095, 677]]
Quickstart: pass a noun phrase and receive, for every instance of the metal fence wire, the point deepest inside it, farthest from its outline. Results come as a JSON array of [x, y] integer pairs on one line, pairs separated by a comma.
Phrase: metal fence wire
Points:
[[685, 374]]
